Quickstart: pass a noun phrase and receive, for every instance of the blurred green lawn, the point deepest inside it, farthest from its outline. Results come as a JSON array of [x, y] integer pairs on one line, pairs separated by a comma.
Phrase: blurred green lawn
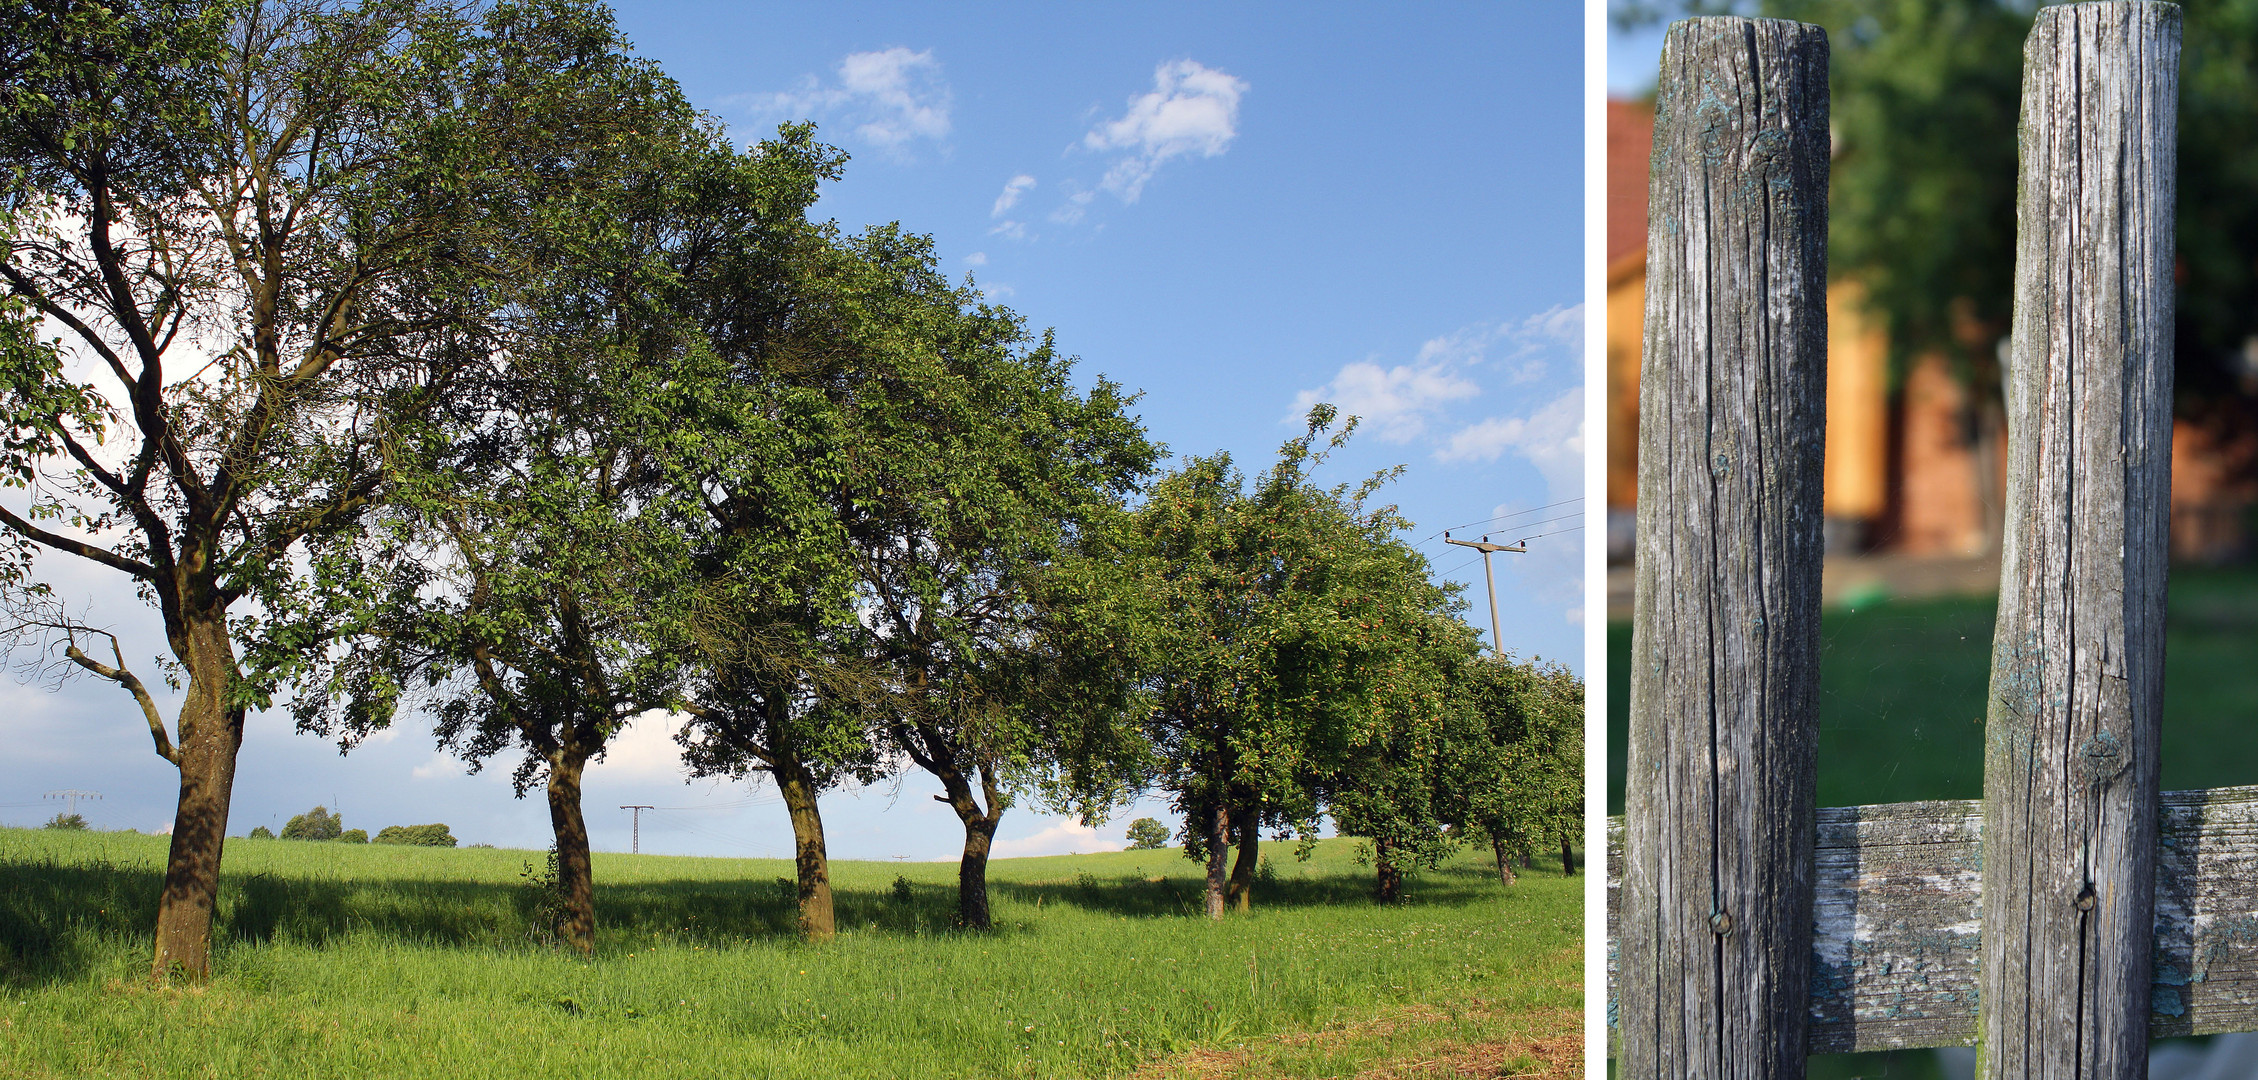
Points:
[[1902, 683], [1901, 713]]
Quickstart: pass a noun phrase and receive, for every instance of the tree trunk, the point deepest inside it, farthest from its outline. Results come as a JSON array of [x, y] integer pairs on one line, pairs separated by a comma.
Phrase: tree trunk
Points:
[[1504, 861], [1218, 850], [1391, 876], [1720, 842], [576, 885], [1567, 857], [798, 789], [972, 874], [1242, 871], [979, 837], [2071, 733], [211, 735]]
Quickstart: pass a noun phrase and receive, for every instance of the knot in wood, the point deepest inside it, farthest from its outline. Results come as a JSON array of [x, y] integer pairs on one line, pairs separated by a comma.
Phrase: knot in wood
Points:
[[2085, 897], [2102, 758], [1721, 923]]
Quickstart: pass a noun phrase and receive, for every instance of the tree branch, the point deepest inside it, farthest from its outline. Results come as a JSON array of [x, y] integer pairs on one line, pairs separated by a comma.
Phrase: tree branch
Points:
[[29, 289], [79, 548], [124, 678]]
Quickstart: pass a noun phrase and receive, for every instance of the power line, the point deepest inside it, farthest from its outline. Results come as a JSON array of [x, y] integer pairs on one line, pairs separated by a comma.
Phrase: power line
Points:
[[1502, 517], [762, 850], [740, 804], [1525, 539], [74, 795], [1529, 524], [1462, 566]]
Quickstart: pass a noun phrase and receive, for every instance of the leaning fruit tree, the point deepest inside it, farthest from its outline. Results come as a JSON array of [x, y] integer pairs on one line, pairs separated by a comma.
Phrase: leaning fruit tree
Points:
[[246, 243]]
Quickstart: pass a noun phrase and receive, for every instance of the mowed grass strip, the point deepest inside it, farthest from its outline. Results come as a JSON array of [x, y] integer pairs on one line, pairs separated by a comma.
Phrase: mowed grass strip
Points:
[[393, 961]]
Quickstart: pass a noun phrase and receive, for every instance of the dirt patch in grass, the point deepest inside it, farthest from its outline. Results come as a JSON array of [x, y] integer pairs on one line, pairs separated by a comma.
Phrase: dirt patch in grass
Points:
[[1550, 1057], [1448, 1041]]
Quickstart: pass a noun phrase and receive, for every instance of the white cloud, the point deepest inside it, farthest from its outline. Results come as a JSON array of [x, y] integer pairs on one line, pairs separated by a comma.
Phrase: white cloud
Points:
[[1010, 230], [891, 98], [1064, 837], [1395, 402], [438, 766], [1562, 324], [1549, 575], [1551, 438], [977, 258], [643, 750], [1519, 350], [1073, 208], [1014, 188], [1192, 109]]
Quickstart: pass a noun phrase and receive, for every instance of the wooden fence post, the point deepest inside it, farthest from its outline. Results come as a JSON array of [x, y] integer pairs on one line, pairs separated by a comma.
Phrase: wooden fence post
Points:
[[2070, 796], [1715, 946]]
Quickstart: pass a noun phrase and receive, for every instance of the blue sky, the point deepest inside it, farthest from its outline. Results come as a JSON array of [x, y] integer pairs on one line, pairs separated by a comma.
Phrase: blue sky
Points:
[[1237, 210], [1634, 57]]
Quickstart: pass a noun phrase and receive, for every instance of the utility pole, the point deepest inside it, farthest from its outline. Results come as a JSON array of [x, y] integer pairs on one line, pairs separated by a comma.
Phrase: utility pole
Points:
[[637, 849], [1497, 643], [74, 795]]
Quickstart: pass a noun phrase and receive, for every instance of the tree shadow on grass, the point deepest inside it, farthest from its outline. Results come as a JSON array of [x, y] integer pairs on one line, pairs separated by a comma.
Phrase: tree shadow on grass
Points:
[[57, 918], [1163, 895]]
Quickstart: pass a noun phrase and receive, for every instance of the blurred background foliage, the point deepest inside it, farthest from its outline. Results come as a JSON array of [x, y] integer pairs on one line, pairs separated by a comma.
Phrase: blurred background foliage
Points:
[[1926, 95]]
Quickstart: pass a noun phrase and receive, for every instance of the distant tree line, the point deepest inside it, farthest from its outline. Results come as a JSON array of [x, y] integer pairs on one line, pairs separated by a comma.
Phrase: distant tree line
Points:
[[483, 378], [322, 823]]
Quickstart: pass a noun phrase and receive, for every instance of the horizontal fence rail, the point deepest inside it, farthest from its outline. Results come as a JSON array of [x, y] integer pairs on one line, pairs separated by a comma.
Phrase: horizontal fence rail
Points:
[[1897, 930]]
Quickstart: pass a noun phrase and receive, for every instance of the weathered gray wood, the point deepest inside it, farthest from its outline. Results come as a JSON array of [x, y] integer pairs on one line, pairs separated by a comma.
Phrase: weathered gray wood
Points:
[[1896, 936], [1717, 914], [2071, 733]]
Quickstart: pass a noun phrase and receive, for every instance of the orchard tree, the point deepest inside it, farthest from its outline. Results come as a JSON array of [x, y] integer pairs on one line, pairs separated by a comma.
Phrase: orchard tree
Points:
[[797, 439], [524, 594], [539, 587], [1146, 834], [269, 234], [1392, 786], [1278, 644], [911, 474], [1514, 757], [1000, 465]]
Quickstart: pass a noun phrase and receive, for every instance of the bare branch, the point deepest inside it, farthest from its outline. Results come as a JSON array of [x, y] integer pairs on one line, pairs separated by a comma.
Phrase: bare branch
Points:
[[124, 678], [33, 617]]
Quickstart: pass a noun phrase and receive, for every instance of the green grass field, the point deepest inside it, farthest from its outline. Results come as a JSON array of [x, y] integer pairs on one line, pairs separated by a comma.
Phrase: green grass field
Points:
[[1902, 684], [339, 960], [1901, 710]]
